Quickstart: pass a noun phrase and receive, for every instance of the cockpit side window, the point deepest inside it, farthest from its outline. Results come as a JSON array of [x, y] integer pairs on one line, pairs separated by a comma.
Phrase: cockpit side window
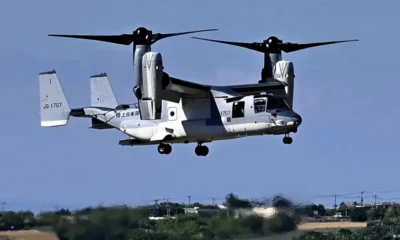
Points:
[[276, 103], [259, 105]]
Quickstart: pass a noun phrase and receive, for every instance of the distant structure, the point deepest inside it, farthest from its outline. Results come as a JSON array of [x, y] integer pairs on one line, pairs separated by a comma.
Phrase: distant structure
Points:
[[383, 204], [265, 212], [197, 210]]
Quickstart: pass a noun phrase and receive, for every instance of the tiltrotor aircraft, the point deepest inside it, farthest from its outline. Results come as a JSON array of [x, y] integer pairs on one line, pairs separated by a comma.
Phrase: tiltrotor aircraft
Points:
[[171, 110]]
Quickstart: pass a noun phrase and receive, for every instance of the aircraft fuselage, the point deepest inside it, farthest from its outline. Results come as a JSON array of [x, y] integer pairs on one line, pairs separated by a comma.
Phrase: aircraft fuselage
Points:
[[260, 116]]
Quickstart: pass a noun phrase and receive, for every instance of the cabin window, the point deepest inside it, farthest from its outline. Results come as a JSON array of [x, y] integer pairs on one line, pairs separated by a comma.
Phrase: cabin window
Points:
[[238, 109], [259, 105], [136, 113], [276, 103], [118, 114]]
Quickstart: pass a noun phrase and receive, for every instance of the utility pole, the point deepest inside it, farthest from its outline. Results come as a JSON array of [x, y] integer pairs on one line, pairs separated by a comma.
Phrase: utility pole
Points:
[[335, 203], [168, 209], [155, 212], [375, 199], [2, 206], [189, 199], [213, 201], [362, 199]]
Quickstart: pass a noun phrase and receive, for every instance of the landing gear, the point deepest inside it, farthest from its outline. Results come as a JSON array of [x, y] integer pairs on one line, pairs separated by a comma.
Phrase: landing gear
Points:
[[287, 140], [164, 148], [201, 150]]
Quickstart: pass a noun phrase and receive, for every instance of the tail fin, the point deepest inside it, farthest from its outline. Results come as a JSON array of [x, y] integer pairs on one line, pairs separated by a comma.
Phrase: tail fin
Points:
[[54, 107], [101, 92]]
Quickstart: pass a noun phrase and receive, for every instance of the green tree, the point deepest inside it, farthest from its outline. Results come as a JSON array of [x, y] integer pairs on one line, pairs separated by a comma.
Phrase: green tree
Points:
[[253, 224], [281, 202], [358, 214], [393, 212], [376, 213], [342, 207], [12, 221], [321, 210], [280, 223], [233, 201]]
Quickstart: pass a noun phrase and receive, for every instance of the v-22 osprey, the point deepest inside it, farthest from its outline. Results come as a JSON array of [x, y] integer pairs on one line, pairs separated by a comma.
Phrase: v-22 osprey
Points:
[[171, 110]]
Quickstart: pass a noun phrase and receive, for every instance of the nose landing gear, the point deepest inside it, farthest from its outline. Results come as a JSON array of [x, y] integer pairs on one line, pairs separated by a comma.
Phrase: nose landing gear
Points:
[[287, 139]]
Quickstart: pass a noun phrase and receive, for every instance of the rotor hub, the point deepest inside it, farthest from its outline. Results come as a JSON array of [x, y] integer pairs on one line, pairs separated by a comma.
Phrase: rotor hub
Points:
[[142, 35], [272, 43]]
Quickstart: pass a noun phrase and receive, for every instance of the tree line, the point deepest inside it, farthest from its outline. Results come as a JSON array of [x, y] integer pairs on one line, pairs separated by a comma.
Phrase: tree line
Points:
[[124, 222], [383, 223]]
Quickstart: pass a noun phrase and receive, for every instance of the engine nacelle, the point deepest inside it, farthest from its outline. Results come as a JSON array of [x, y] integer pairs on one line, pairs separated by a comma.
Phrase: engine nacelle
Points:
[[166, 82], [284, 72], [151, 89]]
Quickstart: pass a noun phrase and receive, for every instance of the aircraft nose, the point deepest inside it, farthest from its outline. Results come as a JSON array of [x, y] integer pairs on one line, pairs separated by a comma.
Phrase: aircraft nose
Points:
[[297, 119]]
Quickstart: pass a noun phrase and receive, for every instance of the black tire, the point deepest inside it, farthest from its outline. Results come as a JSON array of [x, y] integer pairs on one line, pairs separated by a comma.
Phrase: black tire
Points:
[[161, 148], [198, 150], [204, 150], [168, 148], [287, 140]]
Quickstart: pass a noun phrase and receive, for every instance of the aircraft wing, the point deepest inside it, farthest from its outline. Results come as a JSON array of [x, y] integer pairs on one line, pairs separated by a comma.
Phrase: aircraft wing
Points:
[[187, 87], [197, 89], [271, 85]]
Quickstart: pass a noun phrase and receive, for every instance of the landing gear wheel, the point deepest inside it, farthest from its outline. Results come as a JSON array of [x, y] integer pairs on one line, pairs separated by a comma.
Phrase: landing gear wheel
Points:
[[201, 150], [164, 148], [168, 149], [161, 148], [287, 140], [204, 150]]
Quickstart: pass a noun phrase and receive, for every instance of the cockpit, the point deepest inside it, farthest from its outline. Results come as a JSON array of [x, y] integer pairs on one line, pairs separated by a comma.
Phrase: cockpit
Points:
[[276, 103], [268, 104]]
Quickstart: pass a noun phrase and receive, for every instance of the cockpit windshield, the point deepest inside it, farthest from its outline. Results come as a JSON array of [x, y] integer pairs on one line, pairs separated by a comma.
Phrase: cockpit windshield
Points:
[[274, 103]]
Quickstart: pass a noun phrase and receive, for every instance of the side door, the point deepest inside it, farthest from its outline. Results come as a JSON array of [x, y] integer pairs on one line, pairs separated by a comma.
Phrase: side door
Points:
[[238, 116]]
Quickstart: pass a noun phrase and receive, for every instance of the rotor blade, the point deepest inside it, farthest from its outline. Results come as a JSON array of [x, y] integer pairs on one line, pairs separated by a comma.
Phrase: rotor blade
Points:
[[159, 36], [124, 39], [286, 47], [252, 46], [291, 47]]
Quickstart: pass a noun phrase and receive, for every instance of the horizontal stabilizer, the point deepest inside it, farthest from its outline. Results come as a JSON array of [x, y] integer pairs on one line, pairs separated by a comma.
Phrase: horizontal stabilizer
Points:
[[101, 92], [54, 108]]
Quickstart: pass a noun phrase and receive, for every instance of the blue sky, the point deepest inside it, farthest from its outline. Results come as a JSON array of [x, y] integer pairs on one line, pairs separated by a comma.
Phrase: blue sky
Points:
[[346, 94]]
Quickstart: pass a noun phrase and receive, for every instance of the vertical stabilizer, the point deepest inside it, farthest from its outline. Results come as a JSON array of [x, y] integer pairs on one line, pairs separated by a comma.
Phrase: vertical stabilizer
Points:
[[54, 107], [101, 92]]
